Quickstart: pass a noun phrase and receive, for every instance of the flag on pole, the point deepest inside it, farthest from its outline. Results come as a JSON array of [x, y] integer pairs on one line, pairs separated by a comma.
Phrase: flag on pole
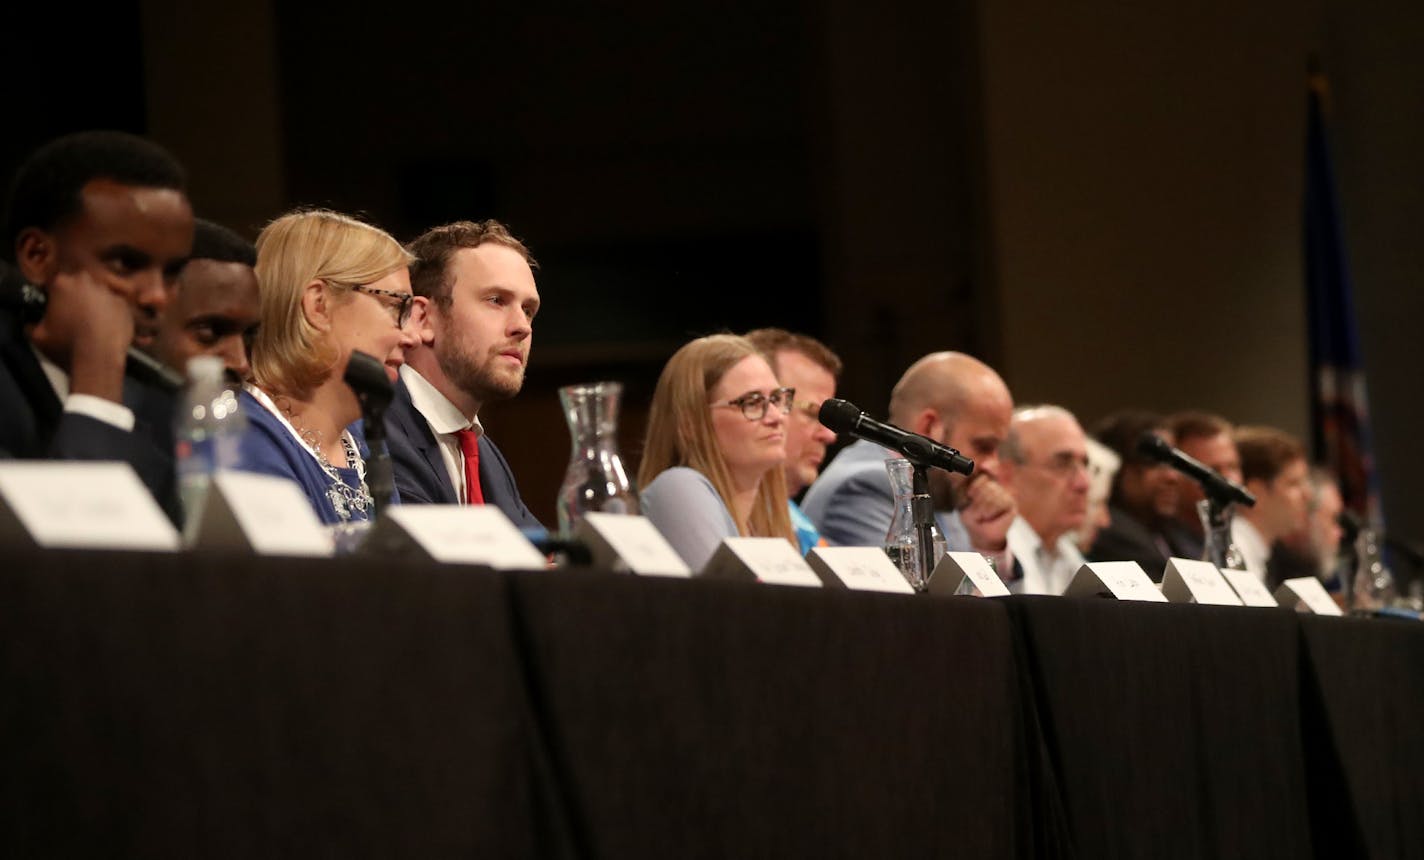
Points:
[[1338, 404]]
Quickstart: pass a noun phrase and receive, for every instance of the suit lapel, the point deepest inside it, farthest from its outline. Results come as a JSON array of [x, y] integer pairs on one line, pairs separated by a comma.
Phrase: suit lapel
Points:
[[422, 438], [20, 359]]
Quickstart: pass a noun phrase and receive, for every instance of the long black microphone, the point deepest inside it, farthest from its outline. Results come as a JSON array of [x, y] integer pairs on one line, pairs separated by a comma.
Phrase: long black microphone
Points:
[[1213, 483], [844, 417]]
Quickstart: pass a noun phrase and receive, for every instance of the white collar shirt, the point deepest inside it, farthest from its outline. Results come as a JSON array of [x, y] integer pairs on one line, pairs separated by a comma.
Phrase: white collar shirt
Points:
[[1249, 541], [1046, 569], [445, 420]]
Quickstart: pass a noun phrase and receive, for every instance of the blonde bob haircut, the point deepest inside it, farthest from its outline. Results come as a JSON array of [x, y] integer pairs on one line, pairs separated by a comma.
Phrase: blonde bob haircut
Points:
[[289, 354], [680, 431]]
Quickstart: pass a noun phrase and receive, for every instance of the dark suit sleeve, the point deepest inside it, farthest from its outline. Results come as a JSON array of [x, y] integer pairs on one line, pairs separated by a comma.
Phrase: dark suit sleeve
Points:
[[408, 467], [1127, 540], [81, 437], [497, 483]]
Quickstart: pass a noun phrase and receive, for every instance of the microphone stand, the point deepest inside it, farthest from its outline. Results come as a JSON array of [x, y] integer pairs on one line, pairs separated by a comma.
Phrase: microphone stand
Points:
[[1216, 511], [367, 377], [922, 506], [1216, 515]]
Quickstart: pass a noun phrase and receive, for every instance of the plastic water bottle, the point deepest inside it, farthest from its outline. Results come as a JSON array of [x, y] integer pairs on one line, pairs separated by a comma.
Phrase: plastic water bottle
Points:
[[209, 429]]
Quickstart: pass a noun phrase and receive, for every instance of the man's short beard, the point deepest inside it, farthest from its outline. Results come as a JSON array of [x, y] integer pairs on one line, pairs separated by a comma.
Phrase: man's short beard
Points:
[[476, 378]]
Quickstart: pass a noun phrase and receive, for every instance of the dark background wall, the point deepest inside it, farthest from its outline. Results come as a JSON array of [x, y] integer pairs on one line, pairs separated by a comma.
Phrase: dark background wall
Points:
[[1102, 201]]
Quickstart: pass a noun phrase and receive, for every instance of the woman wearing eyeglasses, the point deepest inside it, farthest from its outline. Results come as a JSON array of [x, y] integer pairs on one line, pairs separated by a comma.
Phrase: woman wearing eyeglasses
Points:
[[329, 285], [716, 440]]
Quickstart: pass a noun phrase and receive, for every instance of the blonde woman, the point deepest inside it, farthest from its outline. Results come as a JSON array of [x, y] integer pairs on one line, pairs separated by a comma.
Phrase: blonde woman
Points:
[[716, 440], [329, 284]]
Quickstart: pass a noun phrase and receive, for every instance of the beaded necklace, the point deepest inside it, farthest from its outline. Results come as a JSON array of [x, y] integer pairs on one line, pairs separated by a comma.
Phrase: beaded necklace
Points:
[[344, 498]]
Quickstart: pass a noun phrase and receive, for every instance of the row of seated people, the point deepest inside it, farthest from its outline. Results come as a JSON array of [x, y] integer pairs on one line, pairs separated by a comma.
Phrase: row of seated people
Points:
[[100, 224]]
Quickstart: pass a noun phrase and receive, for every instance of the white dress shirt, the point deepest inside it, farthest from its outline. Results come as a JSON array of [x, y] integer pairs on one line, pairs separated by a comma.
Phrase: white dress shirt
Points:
[[115, 414], [1252, 545], [445, 421], [1046, 569]]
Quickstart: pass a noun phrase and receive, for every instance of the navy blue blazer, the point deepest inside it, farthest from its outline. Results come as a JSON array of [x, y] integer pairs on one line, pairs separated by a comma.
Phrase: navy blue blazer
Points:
[[35, 425], [420, 472]]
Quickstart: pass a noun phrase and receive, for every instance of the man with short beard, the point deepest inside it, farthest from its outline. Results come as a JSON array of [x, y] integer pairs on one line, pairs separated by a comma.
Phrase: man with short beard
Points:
[[958, 401], [476, 284]]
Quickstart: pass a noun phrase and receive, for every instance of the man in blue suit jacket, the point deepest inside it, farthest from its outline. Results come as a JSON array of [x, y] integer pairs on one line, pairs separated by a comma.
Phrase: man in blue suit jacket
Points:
[[98, 225], [477, 283]]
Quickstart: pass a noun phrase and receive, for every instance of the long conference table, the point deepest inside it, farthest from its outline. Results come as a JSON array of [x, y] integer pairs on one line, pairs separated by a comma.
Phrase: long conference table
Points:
[[190, 705]]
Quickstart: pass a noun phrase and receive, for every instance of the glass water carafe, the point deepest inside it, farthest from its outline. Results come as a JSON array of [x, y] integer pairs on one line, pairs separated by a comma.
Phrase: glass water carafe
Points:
[[595, 479], [902, 541], [1373, 586]]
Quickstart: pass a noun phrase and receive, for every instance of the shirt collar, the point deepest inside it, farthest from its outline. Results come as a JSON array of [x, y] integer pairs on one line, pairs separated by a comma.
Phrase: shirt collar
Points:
[[1251, 543], [443, 416], [1026, 539], [58, 379]]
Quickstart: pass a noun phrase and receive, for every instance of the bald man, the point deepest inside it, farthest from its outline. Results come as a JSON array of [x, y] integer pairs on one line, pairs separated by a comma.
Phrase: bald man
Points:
[[1044, 463], [958, 401]]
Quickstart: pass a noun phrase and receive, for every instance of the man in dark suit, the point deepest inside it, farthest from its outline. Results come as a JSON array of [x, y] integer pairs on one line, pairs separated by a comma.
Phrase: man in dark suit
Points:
[[1143, 503], [479, 298], [99, 223]]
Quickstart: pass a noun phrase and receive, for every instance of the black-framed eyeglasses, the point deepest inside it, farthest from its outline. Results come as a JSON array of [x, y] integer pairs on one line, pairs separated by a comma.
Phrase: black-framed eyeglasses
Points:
[[406, 301], [754, 404]]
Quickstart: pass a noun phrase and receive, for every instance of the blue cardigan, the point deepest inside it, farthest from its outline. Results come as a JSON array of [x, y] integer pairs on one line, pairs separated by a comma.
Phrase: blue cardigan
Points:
[[269, 448]]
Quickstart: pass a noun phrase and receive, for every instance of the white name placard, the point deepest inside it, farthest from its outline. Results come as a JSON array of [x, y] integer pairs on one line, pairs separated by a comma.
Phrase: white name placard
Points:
[[631, 543], [454, 534], [860, 568], [1188, 581], [80, 505], [966, 573], [1249, 588], [265, 514], [1306, 594], [764, 559], [1122, 579]]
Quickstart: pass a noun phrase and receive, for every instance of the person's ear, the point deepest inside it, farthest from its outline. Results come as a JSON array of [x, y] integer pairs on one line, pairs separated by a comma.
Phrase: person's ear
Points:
[[422, 320], [927, 423], [37, 256], [316, 305]]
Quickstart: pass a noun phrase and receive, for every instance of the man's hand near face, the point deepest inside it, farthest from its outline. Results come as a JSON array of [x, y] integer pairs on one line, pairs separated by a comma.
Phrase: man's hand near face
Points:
[[87, 325], [988, 514]]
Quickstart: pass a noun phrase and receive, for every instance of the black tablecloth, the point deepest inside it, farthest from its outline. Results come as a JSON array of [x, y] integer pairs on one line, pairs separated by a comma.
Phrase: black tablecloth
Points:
[[182, 707], [1174, 730], [754, 721], [1367, 685], [189, 705]]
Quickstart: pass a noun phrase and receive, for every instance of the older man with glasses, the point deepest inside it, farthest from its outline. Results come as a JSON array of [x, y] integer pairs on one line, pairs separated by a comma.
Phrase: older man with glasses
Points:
[[1044, 463]]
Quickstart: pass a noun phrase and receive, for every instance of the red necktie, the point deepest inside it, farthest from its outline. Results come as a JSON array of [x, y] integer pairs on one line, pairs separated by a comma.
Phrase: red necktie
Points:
[[470, 446]]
